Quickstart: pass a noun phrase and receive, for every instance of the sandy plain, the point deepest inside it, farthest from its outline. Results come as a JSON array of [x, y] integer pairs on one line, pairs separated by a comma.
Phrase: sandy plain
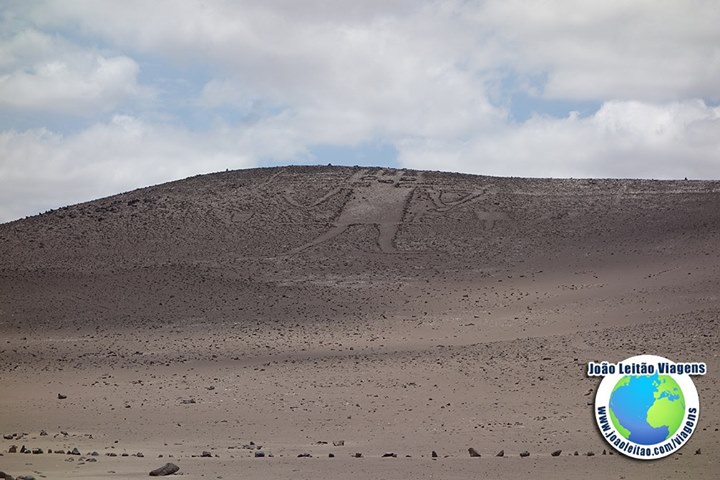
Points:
[[397, 311]]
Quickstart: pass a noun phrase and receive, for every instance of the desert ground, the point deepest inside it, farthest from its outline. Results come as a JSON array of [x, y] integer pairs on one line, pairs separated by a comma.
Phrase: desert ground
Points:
[[340, 310]]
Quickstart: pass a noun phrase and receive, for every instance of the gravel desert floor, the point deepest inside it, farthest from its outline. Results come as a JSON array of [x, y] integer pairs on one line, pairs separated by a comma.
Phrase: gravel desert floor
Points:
[[304, 312]]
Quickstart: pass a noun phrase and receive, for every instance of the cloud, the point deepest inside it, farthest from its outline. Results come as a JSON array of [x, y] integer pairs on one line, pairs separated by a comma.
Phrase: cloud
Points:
[[217, 84], [644, 50], [42, 170], [39, 72], [624, 139]]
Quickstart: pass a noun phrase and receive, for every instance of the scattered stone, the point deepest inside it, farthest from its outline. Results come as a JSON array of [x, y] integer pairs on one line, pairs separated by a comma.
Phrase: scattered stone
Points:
[[556, 453], [111, 454], [525, 454], [91, 460], [339, 443], [206, 454], [698, 451], [61, 396], [37, 451], [331, 455], [389, 455], [473, 452], [187, 401], [434, 454], [259, 454], [167, 469], [12, 449], [576, 453], [501, 453], [140, 455], [24, 450], [358, 455], [124, 455], [604, 452], [6, 476], [43, 433], [94, 454], [590, 454], [25, 477], [304, 455], [8, 436], [75, 451]]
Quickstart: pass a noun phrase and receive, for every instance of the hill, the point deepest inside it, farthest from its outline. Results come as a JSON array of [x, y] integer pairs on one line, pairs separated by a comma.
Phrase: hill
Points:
[[397, 310]]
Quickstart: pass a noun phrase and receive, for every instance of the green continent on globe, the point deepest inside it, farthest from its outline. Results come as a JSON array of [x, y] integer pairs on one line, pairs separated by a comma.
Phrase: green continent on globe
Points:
[[665, 409], [669, 407]]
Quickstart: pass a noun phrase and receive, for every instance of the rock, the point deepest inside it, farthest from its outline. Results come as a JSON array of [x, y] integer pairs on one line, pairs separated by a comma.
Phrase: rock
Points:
[[8, 436], [604, 452], [304, 455], [91, 460], [434, 454], [94, 454], [37, 451], [61, 396], [43, 433], [24, 450], [473, 452], [339, 443], [167, 469], [259, 454], [206, 454], [525, 454], [111, 454], [501, 453], [590, 454], [556, 453], [25, 477], [124, 455], [139, 455], [6, 476], [698, 451], [358, 455], [389, 455], [331, 455], [75, 451], [12, 449]]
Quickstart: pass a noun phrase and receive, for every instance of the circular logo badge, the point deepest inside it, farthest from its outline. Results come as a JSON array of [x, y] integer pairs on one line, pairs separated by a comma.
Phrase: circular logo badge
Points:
[[647, 407]]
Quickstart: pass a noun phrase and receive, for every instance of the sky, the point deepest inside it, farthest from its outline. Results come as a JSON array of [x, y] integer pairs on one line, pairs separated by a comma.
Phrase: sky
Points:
[[98, 97]]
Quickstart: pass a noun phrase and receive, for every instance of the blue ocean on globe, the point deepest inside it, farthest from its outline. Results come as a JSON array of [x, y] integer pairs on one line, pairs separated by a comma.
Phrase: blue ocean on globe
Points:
[[630, 404]]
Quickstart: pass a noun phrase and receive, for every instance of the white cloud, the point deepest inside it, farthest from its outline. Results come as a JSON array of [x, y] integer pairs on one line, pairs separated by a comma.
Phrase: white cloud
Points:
[[434, 79], [43, 73], [645, 49], [41, 169], [624, 139]]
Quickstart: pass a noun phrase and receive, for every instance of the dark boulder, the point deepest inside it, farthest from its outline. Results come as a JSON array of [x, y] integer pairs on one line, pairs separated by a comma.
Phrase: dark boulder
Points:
[[167, 469]]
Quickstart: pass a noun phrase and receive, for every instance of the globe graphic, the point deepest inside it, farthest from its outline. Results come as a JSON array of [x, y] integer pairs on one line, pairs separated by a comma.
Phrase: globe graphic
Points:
[[647, 409]]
